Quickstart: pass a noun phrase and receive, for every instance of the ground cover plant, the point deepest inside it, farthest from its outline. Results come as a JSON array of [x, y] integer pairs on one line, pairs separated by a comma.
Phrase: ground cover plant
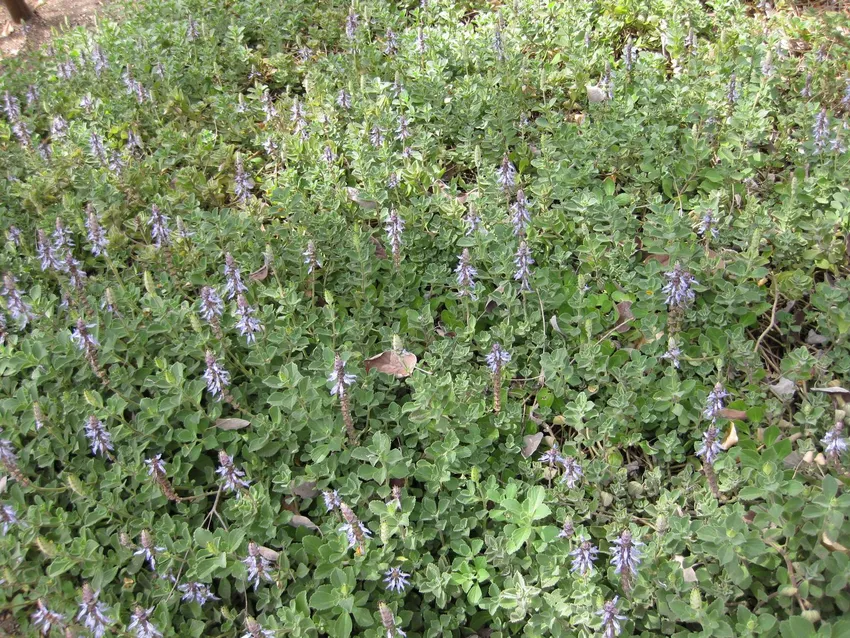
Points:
[[437, 319]]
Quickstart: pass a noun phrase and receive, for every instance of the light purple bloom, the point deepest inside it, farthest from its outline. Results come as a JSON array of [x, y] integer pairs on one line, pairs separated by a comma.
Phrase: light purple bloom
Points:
[[148, 549], [351, 24], [506, 174], [141, 625], [610, 619], [83, 338], [352, 535], [255, 630], [159, 227], [63, 240], [376, 136], [59, 128], [396, 579], [12, 107], [243, 184], [340, 378], [96, 234], [97, 148], [834, 442], [232, 475], [343, 99], [523, 263], [18, 308], [708, 224], [390, 43], [626, 555], [573, 472], [820, 131], [466, 274], [583, 557], [567, 530], [497, 357], [44, 252], [247, 324], [332, 499], [395, 228], [673, 353], [93, 613], [211, 305], [43, 619], [311, 258], [234, 285], [258, 565], [472, 221], [156, 466], [8, 517], [421, 44], [732, 93], [714, 402], [678, 287], [101, 63], [710, 448], [98, 436], [13, 235], [217, 378], [196, 592]]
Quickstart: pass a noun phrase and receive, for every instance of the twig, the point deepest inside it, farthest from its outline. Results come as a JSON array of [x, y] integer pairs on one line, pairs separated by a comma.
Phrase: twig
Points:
[[772, 323]]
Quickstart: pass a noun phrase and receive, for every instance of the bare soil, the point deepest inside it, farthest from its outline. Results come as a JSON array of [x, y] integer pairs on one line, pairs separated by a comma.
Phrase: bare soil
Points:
[[52, 16]]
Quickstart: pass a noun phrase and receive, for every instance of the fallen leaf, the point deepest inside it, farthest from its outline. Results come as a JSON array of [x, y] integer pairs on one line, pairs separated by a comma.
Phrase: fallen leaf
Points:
[[815, 339], [688, 573], [834, 390], [380, 251], [595, 95], [784, 389], [832, 545], [491, 306], [232, 424], [730, 413], [749, 517], [661, 259], [306, 490], [261, 274], [731, 438], [269, 553], [532, 442], [302, 521], [354, 196], [624, 316], [400, 364]]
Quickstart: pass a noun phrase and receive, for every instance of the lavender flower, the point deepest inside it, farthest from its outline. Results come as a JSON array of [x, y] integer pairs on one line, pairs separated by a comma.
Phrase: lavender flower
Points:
[[395, 228], [255, 630], [343, 99], [17, 307], [834, 442], [390, 43], [96, 234], [8, 517], [520, 215], [159, 227], [304, 53], [355, 531], [156, 466], [497, 43], [630, 54], [396, 579], [87, 103], [97, 148], [673, 353], [506, 174], [141, 625], [466, 274], [116, 163], [311, 258], [552, 457], [59, 128], [472, 221], [93, 613], [388, 621], [328, 155], [192, 33], [332, 499], [234, 285], [691, 42], [196, 593], [66, 70], [351, 24], [626, 558], [211, 305], [270, 146], [610, 619], [247, 324], [393, 181], [572, 471], [608, 81], [217, 378], [340, 378], [567, 530], [497, 358], [376, 136], [583, 557], [76, 275], [708, 224], [11, 107], [820, 131], [98, 436], [101, 63], [134, 141], [148, 549], [231, 474], [63, 240], [767, 66], [43, 619], [421, 44], [732, 93], [45, 151], [268, 105], [81, 336], [3, 329], [678, 287], [242, 183], [13, 235], [714, 402], [710, 448], [523, 263], [258, 565], [807, 88], [45, 254], [22, 131]]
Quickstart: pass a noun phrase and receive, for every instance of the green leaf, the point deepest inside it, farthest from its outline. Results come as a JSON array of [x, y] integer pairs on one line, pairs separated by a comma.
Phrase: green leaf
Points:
[[342, 626], [325, 597]]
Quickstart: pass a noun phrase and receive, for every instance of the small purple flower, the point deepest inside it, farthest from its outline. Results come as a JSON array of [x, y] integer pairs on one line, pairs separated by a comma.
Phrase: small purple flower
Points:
[[807, 89], [523, 263], [376, 136], [340, 378], [708, 224], [44, 252], [421, 44], [13, 235], [355, 532], [520, 215], [845, 100], [332, 499], [351, 24], [192, 32], [395, 228], [567, 530], [552, 457], [610, 619], [45, 150], [116, 163], [84, 339], [497, 358], [12, 107], [343, 99], [247, 324], [714, 402], [258, 565], [232, 475], [396, 579], [148, 549], [159, 227], [233, 276], [393, 181], [732, 93], [820, 131], [506, 174], [328, 155], [403, 130], [255, 630], [96, 234], [673, 353], [98, 436], [97, 148], [8, 517], [583, 557], [497, 43], [93, 613], [242, 183], [211, 305], [466, 274], [217, 378], [141, 625], [43, 619], [573, 473], [15, 304], [626, 555], [196, 593], [267, 103], [311, 258], [710, 448], [59, 128], [101, 63], [183, 231], [691, 42], [87, 103], [63, 240], [834, 442], [472, 221], [678, 287], [76, 275], [156, 466], [390, 43]]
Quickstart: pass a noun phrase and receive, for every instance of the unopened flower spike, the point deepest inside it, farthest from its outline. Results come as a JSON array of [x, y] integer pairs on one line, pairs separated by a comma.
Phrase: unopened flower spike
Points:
[[156, 469], [388, 621], [496, 360]]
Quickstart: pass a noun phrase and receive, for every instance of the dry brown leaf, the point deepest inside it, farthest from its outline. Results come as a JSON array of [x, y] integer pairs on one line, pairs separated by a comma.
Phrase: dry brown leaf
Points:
[[833, 390], [731, 413], [832, 545], [731, 439], [784, 389], [380, 251], [269, 554], [661, 259], [232, 424], [306, 490], [354, 196], [300, 520], [400, 364], [261, 274], [624, 316], [532, 442]]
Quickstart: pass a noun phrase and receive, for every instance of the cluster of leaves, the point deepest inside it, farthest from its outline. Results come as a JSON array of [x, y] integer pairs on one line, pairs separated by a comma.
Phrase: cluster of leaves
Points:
[[545, 329]]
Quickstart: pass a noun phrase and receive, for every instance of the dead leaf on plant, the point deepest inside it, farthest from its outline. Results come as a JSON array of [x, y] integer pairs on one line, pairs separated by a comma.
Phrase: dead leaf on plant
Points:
[[731, 413], [532, 442], [832, 545], [624, 316], [261, 274], [401, 364], [306, 490], [299, 520], [354, 196], [731, 438], [269, 554], [232, 424], [380, 251], [661, 259]]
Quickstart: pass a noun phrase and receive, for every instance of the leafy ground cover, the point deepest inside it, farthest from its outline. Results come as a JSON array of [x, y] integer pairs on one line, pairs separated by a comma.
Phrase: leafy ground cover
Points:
[[436, 319]]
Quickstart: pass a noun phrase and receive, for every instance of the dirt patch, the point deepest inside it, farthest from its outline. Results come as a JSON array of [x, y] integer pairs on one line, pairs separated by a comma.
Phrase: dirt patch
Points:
[[53, 16]]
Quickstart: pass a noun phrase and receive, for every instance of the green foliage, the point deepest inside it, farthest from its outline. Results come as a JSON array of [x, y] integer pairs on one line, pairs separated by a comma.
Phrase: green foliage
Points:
[[447, 479]]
